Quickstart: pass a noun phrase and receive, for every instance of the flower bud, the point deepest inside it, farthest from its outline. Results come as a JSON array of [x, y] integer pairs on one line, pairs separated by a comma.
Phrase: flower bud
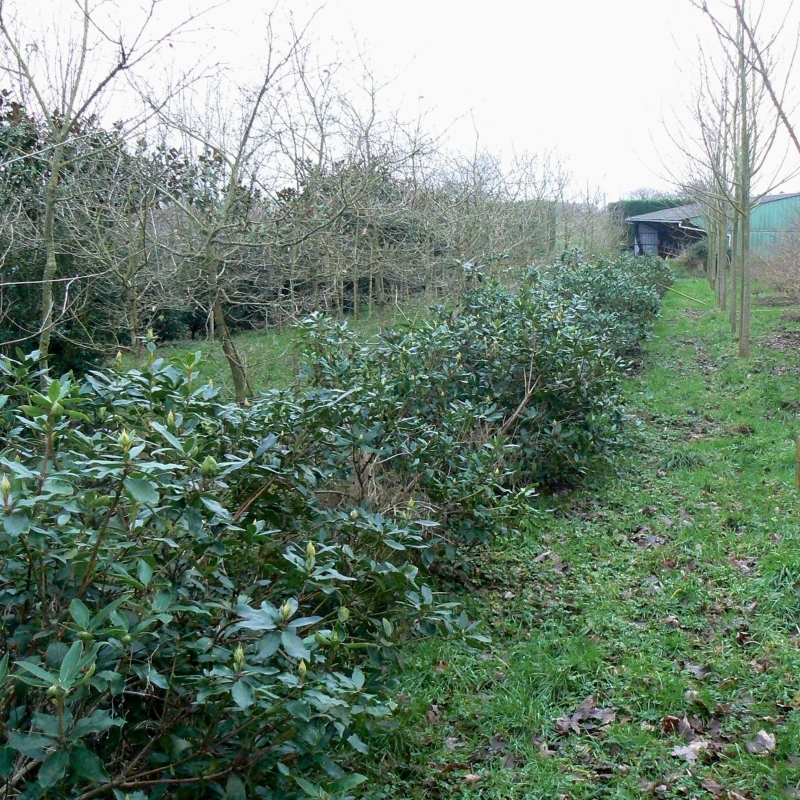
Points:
[[238, 657], [208, 469], [118, 359], [5, 488], [311, 556], [170, 419], [302, 669], [354, 514], [286, 611], [90, 671], [125, 440], [56, 410], [344, 614]]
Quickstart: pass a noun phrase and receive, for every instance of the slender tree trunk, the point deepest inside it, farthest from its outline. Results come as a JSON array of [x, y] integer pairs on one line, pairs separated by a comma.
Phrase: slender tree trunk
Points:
[[133, 319], [744, 326], [734, 315], [744, 174], [722, 257], [220, 325], [51, 263]]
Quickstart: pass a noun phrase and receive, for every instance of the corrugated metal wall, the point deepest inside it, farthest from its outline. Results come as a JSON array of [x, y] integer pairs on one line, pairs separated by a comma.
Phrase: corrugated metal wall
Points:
[[771, 222]]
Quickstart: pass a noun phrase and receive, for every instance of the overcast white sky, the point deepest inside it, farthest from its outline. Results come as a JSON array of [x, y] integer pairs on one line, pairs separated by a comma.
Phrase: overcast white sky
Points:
[[592, 79]]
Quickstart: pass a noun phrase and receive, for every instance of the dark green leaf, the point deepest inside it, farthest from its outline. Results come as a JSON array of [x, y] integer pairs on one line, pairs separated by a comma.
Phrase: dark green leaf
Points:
[[32, 744], [80, 613], [98, 722], [356, 742], [242, 694], [7, 757], [53, 768], [235, 789], [294, 646], [144, 571], [69, 666], [349, 782], [141, 491], [87, 765], [16, 524]]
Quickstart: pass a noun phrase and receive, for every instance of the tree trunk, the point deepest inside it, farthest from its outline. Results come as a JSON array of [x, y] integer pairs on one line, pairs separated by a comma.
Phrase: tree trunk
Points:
[[51, 263], [220, 326], [744, 176], [722, 258], [744, 326], [734, 315]]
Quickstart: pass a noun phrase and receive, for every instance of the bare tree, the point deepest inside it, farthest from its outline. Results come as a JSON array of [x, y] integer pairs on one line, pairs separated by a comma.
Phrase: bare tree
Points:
[[64, 72]]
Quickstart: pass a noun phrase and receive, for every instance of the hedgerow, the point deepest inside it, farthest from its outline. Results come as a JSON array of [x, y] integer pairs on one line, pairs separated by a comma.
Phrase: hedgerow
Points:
[[203, 600]]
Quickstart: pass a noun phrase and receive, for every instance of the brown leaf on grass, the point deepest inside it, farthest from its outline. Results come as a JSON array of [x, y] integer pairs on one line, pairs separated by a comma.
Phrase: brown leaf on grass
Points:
[[587, 717], [669, 724], [698, 670], [605, 716], [690, 751], [763, 743], [432, 714], [509, 762], [496, 746], [650, 541], [452, 742], [545, 751], [471, 778], [744, 564], [713, 787]]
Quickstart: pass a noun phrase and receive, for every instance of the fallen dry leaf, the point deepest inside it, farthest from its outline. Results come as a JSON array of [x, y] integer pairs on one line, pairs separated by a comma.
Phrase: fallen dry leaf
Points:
[[471, 778], [690, 751], [452, 742], [588, 716], [713, 787], [698, 670], [545, 751], [763, 743]]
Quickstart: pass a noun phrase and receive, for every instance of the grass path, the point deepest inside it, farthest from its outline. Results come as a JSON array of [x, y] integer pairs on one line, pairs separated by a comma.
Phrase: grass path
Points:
[[646, 630]]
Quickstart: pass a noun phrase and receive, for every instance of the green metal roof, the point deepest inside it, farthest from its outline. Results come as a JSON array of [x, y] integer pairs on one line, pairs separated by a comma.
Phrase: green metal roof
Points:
[[670, 215], [773, 218]]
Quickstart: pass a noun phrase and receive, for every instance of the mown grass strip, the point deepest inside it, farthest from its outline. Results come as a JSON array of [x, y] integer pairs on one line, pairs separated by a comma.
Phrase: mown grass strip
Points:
[[669, 593]]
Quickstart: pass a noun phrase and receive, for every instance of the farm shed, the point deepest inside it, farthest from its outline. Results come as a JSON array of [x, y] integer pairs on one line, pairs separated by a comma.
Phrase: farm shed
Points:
[[671, 231], [668, 232]]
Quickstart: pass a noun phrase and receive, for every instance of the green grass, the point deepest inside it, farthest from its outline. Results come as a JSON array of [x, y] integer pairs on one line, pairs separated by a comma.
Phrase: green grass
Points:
[[270, 355], [667, 588]]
